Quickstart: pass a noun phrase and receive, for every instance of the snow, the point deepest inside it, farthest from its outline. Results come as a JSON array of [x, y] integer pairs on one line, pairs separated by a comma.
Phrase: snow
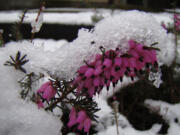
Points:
[[71, 16], [130, 131], [36, 24], [59, 18], [169, 112], [163, 17], [49, 44], [19, 117], [115, 31], [107, 125], [156, 78]]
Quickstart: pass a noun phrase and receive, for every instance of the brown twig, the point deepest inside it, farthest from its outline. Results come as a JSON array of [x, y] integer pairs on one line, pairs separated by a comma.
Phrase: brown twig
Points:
[[60, 99], [37, 18], [115, 108], [20, 23], [1, 38]]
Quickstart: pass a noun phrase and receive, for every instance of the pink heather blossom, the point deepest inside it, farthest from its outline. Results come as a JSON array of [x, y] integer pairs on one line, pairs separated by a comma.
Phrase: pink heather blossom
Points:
[[107, 63], [88, 83], [89, 72], [96, 81], [98, 56], [40, 104], [43, 87], [98, 70], [83, 69], [87, 124], [132, 44], [72, 117], [118, 61], [91, 91], [47, 91], [111, 66], [80, 118]]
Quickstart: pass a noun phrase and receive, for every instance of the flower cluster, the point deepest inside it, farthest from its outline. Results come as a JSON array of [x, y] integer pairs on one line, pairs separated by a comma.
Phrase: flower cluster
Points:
[[111, 66], [46, 91], [80, 118], [177, 22]]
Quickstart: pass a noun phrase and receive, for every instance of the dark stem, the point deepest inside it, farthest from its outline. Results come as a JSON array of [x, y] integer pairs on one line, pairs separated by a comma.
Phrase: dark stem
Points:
[[19, 24], [60, 99], [37, 18]]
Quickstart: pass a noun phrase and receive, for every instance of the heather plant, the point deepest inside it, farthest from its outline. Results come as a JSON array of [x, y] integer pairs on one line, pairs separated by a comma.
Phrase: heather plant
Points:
[[105, 57]]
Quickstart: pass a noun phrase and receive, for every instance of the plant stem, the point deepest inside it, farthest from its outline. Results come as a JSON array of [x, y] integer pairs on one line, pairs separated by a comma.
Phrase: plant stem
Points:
[[19, 24], [115, 108], [37, 18], [60, 99]]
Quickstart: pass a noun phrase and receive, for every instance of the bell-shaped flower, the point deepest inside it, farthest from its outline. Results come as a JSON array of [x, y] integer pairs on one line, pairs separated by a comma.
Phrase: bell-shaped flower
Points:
[[98, 70], [91, 91], [112, 65], [81, 116], [72, 117], [88, 83], [118, 61], [96, 81], [83, 69], [107, 63], [132, 44], [47, 91], [40, 104], [43, 87], [87, 125], [89, 72]]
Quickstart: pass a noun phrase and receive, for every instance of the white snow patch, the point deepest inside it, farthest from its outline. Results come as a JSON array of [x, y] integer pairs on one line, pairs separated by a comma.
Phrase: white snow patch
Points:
[[169, 112], [111, 32], [18, 117]]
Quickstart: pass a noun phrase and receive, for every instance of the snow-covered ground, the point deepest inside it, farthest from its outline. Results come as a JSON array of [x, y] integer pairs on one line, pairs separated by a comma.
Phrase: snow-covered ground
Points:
[[19, 117], [80, 16]]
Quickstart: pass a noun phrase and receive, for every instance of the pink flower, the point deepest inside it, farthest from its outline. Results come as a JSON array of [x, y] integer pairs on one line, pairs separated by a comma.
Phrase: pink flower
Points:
[[132, 44], [72, 117], [87, 124], [118, 61], [98, 70], [80, 118], [91, 91], [40, 104], [44, 86], [89, 72], [83, 69], [96, 81], [107, 63], [112, 65], [47, 91]]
